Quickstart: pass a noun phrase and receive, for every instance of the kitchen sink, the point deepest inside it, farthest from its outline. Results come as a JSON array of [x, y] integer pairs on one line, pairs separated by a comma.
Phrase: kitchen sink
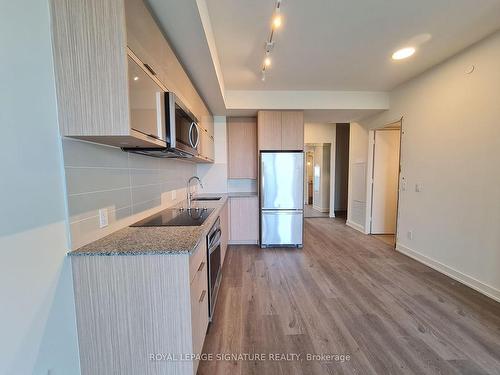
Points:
[[206, 198]]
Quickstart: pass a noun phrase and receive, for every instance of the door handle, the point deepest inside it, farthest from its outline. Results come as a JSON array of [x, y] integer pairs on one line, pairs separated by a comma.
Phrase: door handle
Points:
[[202, 297], [148, 67], [201, 266]]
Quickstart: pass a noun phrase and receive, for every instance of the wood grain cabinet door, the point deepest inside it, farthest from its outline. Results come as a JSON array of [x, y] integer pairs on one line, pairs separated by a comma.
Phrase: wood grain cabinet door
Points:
[[242, 147], [244, 216], [292, 130], [269, 130]]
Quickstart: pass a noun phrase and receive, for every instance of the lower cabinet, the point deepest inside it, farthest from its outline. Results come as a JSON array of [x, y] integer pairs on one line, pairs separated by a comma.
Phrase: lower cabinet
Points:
[[199, 302], [224, 223], [138, 314], [244, 220]]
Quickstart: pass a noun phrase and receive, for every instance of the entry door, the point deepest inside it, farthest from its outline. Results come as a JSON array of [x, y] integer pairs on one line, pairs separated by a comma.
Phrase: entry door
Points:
[[385, 181]]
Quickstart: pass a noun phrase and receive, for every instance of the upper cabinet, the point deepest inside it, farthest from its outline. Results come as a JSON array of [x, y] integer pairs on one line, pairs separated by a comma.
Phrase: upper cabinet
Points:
[[292, 130], [206, 148], [146, 40], [242, 147], [280, 130], [95, 42], [269, 130]]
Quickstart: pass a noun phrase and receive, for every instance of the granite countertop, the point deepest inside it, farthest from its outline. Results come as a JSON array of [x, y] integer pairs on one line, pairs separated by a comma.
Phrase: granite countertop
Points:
[[155, 240]]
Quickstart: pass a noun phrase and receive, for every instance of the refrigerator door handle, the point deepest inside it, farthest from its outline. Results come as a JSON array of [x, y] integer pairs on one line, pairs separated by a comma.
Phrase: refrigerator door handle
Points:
[[282, 210]]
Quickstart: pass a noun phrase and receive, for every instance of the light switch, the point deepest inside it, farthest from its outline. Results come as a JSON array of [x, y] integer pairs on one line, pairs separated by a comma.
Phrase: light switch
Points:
[[103, 217], [174, 195], [403, 184], [418, 188]]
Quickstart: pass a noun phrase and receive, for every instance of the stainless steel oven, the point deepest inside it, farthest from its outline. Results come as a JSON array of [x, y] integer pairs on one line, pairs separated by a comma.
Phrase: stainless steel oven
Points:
[[214, 265]]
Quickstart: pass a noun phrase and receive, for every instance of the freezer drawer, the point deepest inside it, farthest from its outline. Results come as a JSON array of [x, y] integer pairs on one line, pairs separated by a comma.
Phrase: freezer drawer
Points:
[[281, 228]]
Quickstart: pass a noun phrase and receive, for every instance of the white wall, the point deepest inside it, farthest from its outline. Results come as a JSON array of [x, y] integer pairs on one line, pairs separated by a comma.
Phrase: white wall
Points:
[[323, 133], [451, 146], [37, 325]]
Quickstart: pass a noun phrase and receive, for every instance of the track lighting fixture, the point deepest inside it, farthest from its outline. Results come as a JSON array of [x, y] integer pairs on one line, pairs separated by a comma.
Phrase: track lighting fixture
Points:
[[275, 24]]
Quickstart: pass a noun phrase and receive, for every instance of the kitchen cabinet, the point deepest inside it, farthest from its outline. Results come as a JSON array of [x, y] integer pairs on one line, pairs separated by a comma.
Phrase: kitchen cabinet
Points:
[[224, 223], [130, 307], [280, 130], [244, 220], [91, 42], [206, 147], [292, 130], [242, 147], [146, 40], [269, 130]]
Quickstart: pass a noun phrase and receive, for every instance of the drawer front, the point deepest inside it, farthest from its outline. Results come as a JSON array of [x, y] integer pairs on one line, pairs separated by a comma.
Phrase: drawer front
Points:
[[198, 261], [199, 312]]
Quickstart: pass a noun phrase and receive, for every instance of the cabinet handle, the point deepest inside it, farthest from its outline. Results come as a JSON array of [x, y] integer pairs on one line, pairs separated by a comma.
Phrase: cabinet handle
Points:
[[201, 266], [202, 297], [148, 67]]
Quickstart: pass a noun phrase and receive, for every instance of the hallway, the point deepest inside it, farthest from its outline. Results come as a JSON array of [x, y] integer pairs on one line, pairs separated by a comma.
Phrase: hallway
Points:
[[310, 212], [350, 294]]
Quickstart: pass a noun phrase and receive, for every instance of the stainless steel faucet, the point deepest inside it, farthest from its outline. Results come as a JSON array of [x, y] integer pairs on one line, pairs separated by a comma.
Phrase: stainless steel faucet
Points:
[[189, 194]]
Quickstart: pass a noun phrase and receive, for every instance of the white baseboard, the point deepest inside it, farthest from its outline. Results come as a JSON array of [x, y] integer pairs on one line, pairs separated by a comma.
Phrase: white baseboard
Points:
[[477, 285], [321, 209], [355, 226]]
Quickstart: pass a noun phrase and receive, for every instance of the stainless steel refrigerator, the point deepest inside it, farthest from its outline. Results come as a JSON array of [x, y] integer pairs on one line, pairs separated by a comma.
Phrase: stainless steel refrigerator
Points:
[[281, 198]]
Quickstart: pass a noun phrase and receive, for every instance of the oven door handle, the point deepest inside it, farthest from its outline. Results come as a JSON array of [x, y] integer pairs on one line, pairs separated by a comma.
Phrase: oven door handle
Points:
[[214, 238]]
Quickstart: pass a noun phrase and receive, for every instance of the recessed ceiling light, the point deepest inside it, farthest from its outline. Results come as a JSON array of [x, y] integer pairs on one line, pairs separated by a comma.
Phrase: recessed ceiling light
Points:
[[136, 78], [403, 53], [267, 61]]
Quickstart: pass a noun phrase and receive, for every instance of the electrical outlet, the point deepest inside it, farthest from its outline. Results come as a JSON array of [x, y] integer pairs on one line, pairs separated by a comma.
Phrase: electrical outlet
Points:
[[103, 217], [174, 195], [410, 235]]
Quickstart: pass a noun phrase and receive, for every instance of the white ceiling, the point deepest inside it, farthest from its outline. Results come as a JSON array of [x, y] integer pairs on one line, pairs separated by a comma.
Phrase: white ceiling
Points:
[[332, 57], [343, 44]]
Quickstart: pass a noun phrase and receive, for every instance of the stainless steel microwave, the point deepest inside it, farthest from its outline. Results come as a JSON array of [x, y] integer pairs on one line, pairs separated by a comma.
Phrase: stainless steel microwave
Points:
[[161, 115]]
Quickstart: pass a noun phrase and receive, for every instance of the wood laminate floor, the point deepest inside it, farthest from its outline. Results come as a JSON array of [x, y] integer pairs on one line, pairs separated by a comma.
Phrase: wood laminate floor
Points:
[[347, 293], [389, 239]]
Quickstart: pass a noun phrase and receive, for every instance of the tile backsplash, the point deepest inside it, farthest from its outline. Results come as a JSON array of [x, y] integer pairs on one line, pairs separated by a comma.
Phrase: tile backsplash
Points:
[[129, 186]]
